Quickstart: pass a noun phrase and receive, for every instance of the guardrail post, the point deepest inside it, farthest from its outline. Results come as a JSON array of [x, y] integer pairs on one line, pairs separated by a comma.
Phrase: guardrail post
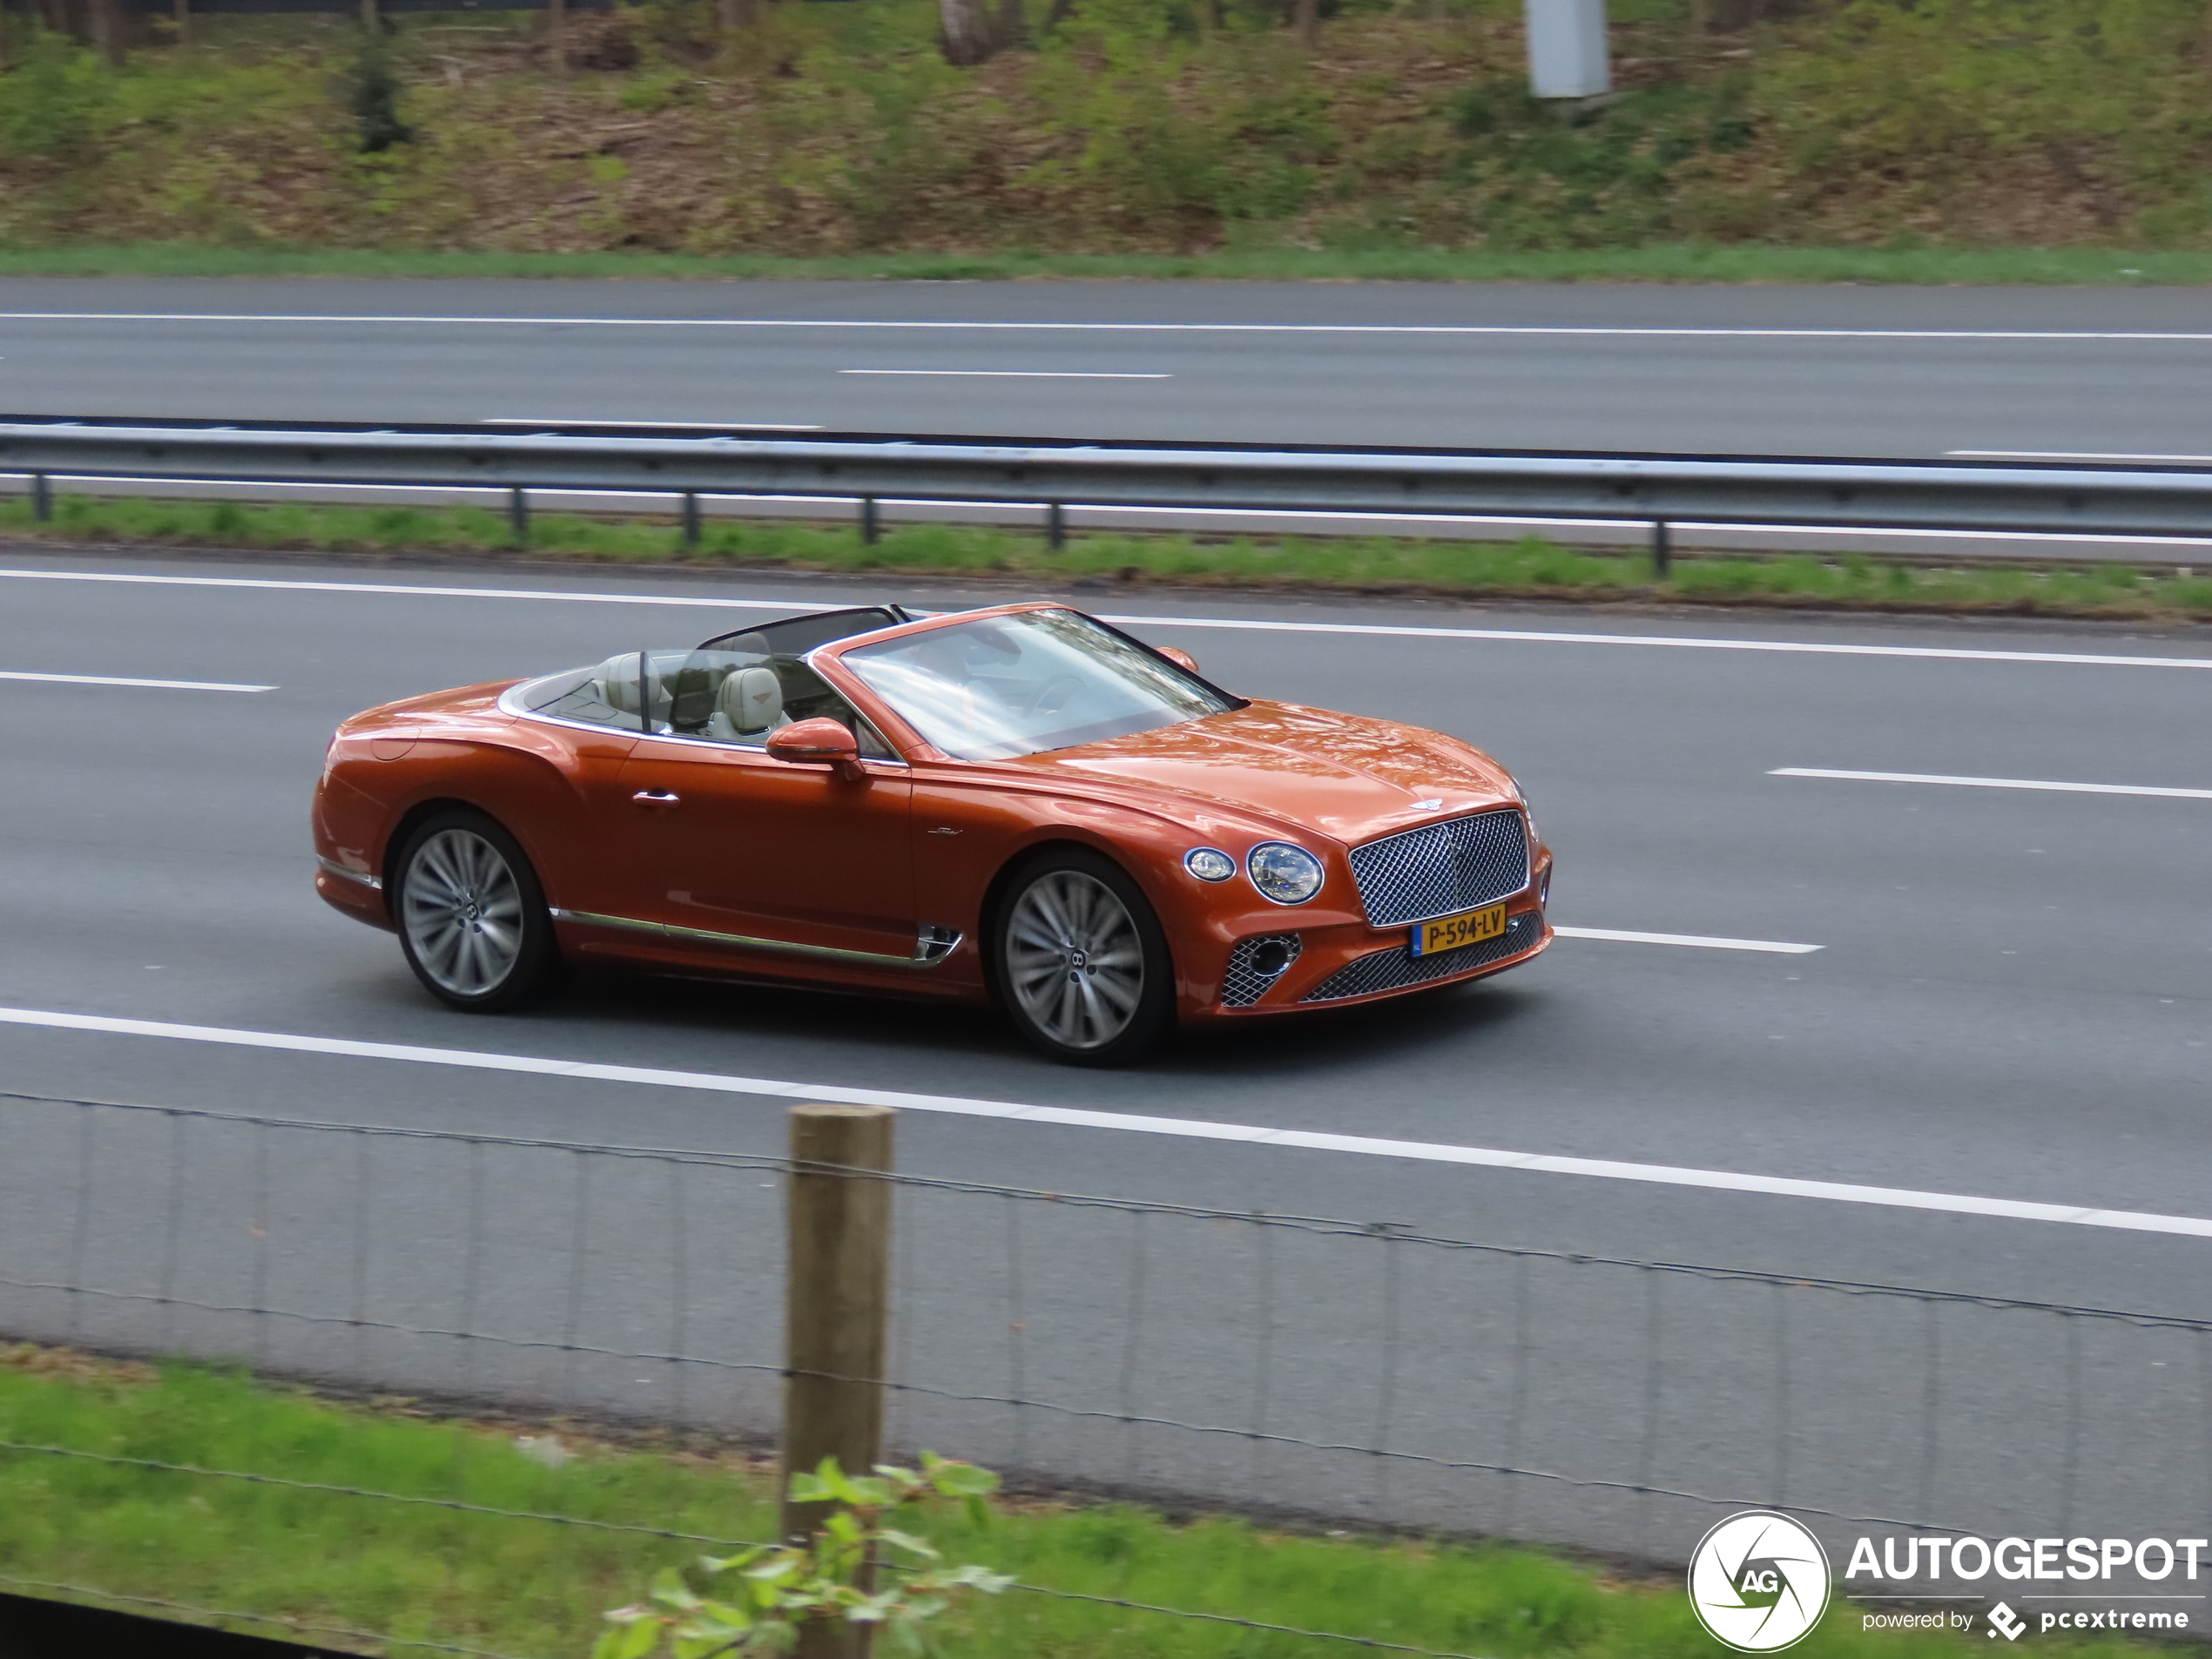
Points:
[[871, 522], [42, 497], [1662, 550], [1056, 527], [690, 518], [518, 515], [836, 1314]]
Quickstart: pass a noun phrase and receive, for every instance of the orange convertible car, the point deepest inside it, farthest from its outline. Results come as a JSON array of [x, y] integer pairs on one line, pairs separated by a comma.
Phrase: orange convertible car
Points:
[[1020, 804]]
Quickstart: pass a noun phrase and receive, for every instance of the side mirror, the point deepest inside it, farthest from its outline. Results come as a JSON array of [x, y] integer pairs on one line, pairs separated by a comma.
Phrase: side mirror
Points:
[[1181, 659], [816, 741]]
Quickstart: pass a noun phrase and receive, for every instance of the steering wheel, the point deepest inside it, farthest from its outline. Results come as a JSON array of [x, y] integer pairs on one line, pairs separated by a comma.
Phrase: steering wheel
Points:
[[1053, 693]]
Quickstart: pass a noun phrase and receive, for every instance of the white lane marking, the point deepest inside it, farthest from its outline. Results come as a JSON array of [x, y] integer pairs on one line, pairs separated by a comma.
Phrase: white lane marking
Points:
[[2067, 455], [1191, 1129], [144, 685], [1534, 330], [1989, 783], [672, 426], [404, 590], [1370, 629], [1947, 653], [1013, 374], [1702, 942]]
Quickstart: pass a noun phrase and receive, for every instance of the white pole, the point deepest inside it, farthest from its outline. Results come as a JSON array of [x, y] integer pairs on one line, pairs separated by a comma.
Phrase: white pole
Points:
[[1567, 55]]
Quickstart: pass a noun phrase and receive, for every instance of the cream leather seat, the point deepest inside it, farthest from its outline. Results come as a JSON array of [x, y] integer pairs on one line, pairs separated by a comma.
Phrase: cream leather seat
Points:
[[615, 682], [749, 705]]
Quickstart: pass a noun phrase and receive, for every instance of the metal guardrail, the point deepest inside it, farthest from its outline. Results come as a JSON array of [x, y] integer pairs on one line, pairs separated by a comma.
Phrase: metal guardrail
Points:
[[1657, 489]]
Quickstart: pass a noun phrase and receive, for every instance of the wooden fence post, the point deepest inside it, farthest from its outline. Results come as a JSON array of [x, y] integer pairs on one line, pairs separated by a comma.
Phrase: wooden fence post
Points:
[[836, 1313]]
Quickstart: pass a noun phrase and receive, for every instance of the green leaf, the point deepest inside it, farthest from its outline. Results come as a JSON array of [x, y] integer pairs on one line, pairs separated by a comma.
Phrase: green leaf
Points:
[[842, 1527], [962, 1479], [908, 1542], [869, 1492], [714, 1564], [670, 1591], [631, 1641], [833, 1477], [811, 1488], [705, 1638]]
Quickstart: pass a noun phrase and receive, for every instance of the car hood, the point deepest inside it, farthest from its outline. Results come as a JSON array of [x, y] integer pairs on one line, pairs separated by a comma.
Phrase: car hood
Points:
[[1342, 775]]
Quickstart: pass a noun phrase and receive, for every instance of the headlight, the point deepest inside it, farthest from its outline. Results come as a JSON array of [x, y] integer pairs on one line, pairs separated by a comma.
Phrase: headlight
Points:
[[1285, 874], [1208, 864]]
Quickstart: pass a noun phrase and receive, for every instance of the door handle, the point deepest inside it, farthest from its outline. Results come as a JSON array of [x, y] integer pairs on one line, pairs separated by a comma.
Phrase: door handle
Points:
[[657, 797]]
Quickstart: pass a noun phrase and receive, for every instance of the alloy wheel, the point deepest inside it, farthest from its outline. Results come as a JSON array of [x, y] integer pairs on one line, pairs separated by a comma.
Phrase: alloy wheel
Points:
[[462, 910], [1075, 962]]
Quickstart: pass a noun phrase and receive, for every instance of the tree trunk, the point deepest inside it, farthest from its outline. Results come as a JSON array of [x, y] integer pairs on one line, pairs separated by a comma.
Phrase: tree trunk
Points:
[[1013, 30], [969, 36], [1306, 24], [108, 30]]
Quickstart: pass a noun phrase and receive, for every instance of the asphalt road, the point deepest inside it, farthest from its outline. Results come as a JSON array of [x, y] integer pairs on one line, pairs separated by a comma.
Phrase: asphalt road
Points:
[[1782, 370], [2008, 1000]]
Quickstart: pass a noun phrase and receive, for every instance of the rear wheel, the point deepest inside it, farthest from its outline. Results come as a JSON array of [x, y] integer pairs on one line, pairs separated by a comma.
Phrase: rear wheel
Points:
[[1081, 962], [472, 919]]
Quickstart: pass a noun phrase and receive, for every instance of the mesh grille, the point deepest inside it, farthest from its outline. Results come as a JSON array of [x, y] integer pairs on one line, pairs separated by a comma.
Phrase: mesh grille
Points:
[[1389, 970], [1442, 867], [1243, 985]]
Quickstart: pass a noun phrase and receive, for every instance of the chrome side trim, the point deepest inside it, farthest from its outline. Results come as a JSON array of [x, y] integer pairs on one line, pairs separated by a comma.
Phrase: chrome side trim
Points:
[[373, 883], [933, 944], [931, 949]]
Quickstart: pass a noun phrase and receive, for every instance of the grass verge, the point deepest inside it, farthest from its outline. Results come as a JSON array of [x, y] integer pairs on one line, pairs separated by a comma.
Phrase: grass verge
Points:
[[534, 1588], [1529, 569], [1665, 262]]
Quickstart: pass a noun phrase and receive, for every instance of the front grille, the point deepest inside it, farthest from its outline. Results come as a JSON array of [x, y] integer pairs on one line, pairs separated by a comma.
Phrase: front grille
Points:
[[1441, 867], [1243, 985], [1389, 970]]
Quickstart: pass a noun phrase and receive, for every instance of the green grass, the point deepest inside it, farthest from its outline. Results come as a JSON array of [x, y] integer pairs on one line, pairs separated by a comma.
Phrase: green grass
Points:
[[1842, 140], [534, 1589], [1530, 568], [1671, 262]]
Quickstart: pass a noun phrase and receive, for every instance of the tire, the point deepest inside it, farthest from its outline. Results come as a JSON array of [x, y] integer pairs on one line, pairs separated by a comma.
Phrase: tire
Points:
[[1079, 960], [471, 916]]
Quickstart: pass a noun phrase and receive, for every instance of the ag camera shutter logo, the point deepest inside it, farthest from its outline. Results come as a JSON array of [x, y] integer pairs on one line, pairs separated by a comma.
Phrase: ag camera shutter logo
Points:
[[1758, 1582]]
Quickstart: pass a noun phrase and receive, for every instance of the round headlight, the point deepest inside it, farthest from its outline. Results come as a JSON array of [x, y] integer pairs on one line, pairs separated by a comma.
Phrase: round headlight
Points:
[[1208, 864], [1285, 874]]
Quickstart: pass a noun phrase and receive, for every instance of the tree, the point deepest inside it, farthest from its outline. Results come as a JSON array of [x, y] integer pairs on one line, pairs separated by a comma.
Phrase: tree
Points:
[[970, 34]]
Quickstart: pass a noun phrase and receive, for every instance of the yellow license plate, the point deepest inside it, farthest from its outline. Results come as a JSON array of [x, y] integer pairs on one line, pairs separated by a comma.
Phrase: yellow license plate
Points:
[[1468, 927]]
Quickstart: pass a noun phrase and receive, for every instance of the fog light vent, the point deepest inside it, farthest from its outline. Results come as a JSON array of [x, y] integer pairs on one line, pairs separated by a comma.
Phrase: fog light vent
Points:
[[1255, 964]]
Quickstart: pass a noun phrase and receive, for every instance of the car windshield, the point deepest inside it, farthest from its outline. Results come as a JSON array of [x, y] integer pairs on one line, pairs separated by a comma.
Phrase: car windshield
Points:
[[1003, 686]]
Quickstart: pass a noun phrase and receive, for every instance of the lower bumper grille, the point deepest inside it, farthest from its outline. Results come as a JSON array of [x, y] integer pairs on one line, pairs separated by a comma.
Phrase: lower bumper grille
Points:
[[1249, 977], [1389, 970]]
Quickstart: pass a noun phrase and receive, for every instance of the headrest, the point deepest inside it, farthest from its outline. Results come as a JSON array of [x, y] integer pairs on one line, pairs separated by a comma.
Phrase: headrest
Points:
[[616, 682], [752, 699]]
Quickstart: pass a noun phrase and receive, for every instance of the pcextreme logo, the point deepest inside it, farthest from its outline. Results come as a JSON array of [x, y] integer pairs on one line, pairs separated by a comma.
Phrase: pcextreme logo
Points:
[[1758, 1581]]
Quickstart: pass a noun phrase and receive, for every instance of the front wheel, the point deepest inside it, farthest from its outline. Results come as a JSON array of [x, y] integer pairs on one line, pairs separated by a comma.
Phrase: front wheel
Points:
[[472, 920], [1081, 962]]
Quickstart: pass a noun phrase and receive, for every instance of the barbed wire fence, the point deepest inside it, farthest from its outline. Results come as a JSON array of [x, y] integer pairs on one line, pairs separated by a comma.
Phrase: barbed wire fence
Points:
[[1275, 1365]]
